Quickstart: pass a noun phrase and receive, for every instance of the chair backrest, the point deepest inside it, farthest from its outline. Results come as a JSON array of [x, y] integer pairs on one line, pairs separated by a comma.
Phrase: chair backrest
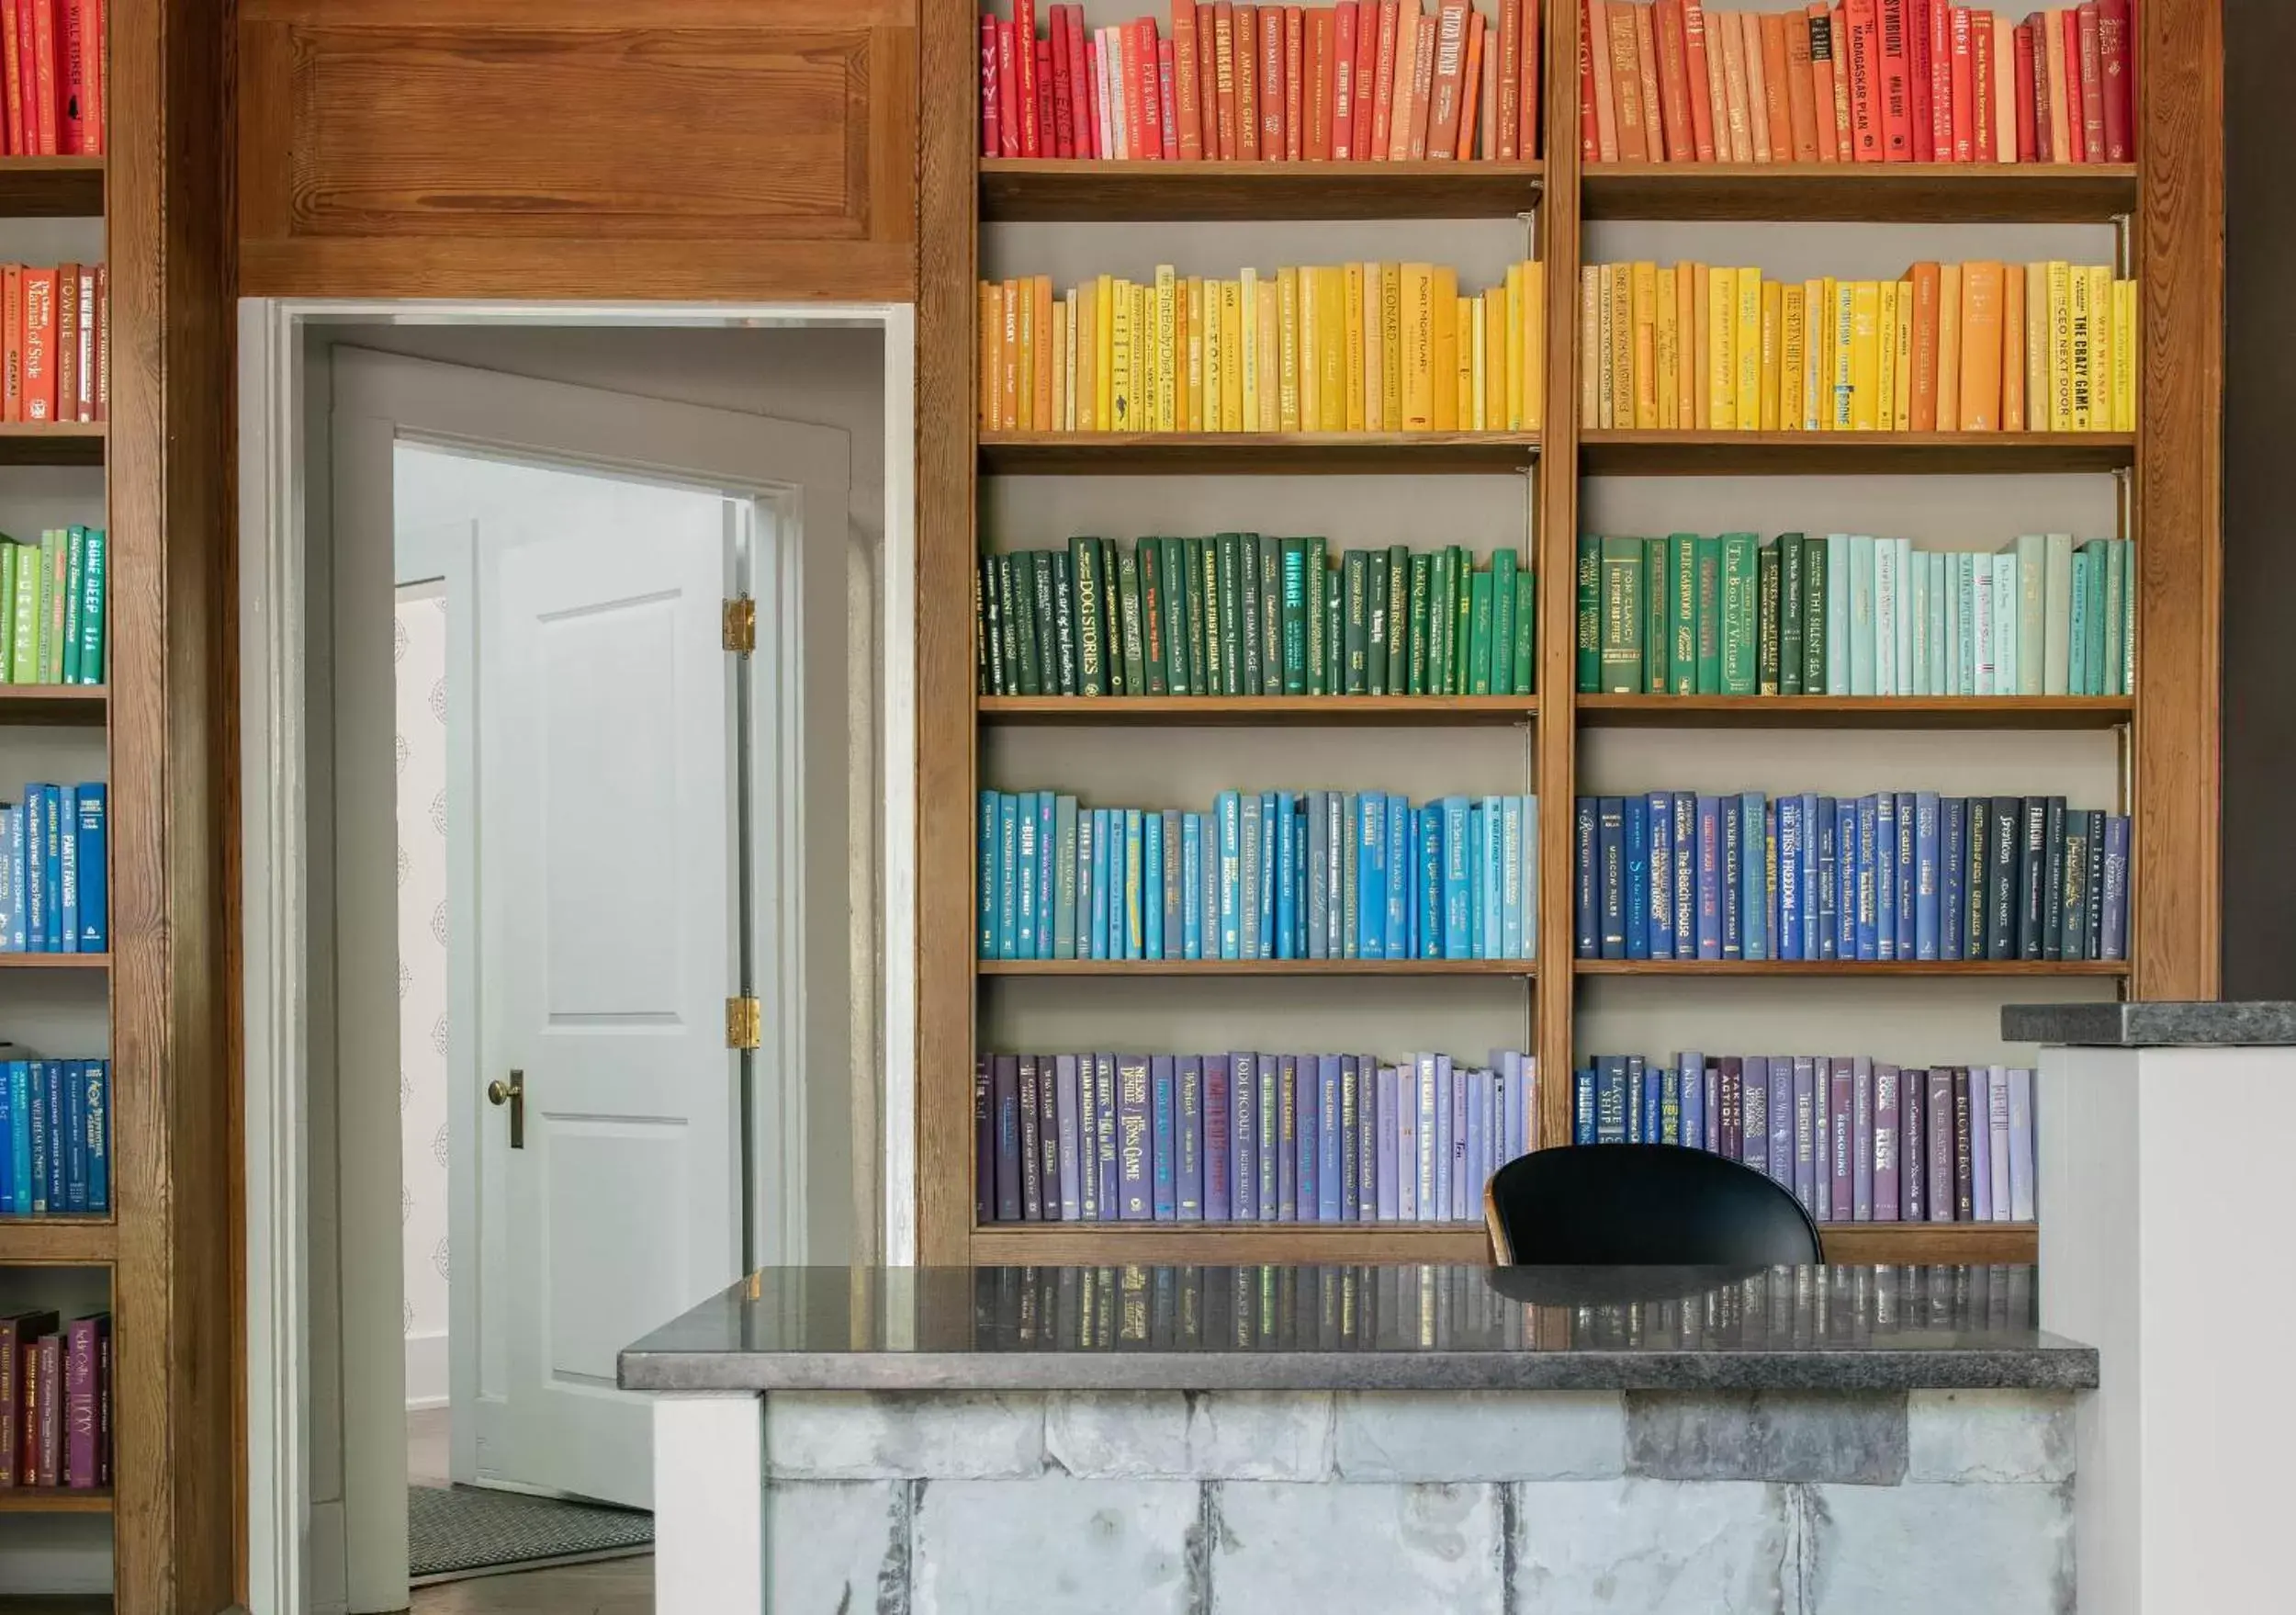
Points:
[[1639, 1204]]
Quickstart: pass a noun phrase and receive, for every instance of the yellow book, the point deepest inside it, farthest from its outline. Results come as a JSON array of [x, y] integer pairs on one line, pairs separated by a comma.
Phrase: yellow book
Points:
[[1591, 353], [1104, 352], [1311, 351], [1949, 347], [1215, 356], [1248, 356], [1270, 357], [1234, 356], [1472, 329], [1009, 359], [1024, 352], [1771, 368], [1443, 354], [1667, 351], [1288, 348], [1511, 379], [1816, 376], [1061, 368], [1643, 300], [2082, 349], [1531, 335], [2040, 409], [1418, 347], [1501, 353], [1793, 357], [1196, 334], [1722, 367], [2060, 307], [1701, 340], [1886, 375], [1392, 327], [1086, 342], [1120, 418], [1845, 296], [1865, 355], [1330, 383], [1374, 355], [1047, 352], [2124, 355], [1905, 357], [1619, 309], [988, 321], [2102, 354], [1690, 349], [1144, 354], [1746, 346], [1351, 354]]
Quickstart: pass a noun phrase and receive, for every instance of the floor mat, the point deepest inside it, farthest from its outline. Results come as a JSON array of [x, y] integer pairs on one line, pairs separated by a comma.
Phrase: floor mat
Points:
[[469, 1531]]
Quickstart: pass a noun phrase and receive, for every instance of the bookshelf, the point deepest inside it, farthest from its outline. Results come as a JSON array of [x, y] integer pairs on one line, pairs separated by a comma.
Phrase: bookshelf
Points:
[[2158, 217]]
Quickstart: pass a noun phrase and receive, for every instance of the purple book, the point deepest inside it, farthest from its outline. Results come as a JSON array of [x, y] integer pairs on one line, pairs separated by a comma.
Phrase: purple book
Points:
[[1287, 1138], [1862, 1139], [46, 1403], [984, 1144], [1913, 1178], [82, 1466], [2021, 1145], [1219, 1160], [1462, 1108], [1331, 1190], [1415, 1145], [1980, 1145], [1805, 1131], [1047, 1133], [1189, 1190], [1709, 1076], [1938, 1109], [1351, 1071], [1387, 1129], [1466, 1181], [1106, 1127], [1069, 1113], [1841, 1134], [1308, 1174], [1751, 1079], [1786, 1130], [1031, 1142], [1366, 1144], [1270, 1111], [1243, 1134], [1135, 1149], [1885, 1108], [1435, 1148], [1997, 1125], [1004, 1080]]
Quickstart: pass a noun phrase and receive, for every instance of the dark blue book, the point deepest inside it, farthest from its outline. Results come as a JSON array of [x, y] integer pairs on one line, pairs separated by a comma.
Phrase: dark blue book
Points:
[[53, 1109], [1884, 872], [1610, 1100], [2003, 840], [2073, 928], [1685, 817], [1610, 853], [1659, 918], [1582, 1107], [1953, 849], [95, 881], [1188, 1186], [1669, 1117], [51, 838], [1733, 879], [1243, 1134], [1135, 1141], [1790, 877], [1752, 882], [2113, 925], [2100, 830], [1903, 875], [20, 1104], [2052, 882], [1108, 1125], [1866, 868], [1330, 1188], [1710, 876], [17, 941], [1272, 1138], [1926, 892], [98, 1079], [1836, 835], [1048, 870], [1646, 1080], [1635, 921], [72, 1097], [1004, 1103], [1287, 1141], [1813, 895], [34, 885], [1219, 1149], [1353, 1069], [2032, 861], [1151, 887], [1586, 906]]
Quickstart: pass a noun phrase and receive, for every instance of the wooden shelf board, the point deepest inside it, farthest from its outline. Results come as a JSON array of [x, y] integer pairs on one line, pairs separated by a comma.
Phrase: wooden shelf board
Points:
[[1854, 712], [1890, 968], [1944, 193], [1514, 968], [1612, 451], [54, 1501], [51, 187], [1273, 711], [1930, 1242], [1016, 189], [35, 442], [1249, 453], [58, 1241], [1116, 1243], [55, 705], [56, 961]]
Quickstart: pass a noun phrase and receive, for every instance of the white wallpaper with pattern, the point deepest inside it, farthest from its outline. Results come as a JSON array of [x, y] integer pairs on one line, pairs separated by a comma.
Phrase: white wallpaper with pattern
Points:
[[419, 649]]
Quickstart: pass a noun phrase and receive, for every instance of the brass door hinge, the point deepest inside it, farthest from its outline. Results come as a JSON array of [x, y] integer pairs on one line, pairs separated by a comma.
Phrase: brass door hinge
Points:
[[741, 623], [741, 1022]]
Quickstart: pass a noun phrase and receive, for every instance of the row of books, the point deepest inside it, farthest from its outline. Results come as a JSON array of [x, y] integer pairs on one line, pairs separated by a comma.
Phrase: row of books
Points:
[[51, 607], [1349, 83], [1273, 875], [55, 1401], [1868, 81], [1906, 876], [55, 343], [1855, 1140], [55, 1137], [1944, 347], [52, 77], [1240, 614], [1245, 1137], [1850, 614], [1333, 347], [54, 850]]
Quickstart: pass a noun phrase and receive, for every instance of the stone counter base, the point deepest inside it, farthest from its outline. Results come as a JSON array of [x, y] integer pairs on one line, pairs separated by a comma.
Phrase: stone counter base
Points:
[[1390, 1503]]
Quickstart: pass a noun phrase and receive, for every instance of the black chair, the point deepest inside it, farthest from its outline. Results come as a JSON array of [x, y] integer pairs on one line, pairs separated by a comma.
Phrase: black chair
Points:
[[1642, 1205]]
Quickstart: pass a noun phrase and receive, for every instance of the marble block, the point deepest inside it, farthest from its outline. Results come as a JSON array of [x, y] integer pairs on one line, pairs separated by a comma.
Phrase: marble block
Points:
[[1480, 1435], [1654, 1547], [836, 1545], [1057, 1546], [1917, 1548], [1766, 1436], [1999, 1436], [1200, 1435], [1340, 1550], [894, 1435]]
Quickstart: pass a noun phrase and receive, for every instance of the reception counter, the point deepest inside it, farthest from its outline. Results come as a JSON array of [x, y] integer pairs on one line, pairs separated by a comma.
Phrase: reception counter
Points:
[[1197, 1439]]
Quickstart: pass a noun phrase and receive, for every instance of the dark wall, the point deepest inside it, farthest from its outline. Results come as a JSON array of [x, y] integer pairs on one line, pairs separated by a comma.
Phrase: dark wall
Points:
[[2259, 691]]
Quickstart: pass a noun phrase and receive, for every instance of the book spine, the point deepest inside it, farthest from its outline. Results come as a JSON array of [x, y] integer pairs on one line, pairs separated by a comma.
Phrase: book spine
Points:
[[1135, 1144]]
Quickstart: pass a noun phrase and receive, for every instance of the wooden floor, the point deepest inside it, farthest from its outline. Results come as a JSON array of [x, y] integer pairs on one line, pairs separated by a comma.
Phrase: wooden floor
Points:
[[613, 1586]]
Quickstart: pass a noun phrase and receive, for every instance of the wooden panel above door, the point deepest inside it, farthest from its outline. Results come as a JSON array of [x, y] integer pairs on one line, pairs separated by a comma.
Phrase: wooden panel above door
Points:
[[695, 149]]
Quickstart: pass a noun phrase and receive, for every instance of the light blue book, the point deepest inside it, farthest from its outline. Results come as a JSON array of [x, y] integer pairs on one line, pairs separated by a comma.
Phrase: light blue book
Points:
[[2004, 624], [2077, 675], [1511, 879], [1255, 822], [1046, 861], [1491, 920], [2116, 621], [1151, 884], [1458, 900], [2031, 551], [1396, 940], [1087, 889], [1888, 585], [1917, 678], [1901, 551], [1940, 593], [1350, 875], [1371, 876], [1753, 881], [1430, 881], [1008, 874], [985, 877], [1267, 875], [1864, 645], [1337, 845], [1315, 901], [1171, 890], [1210, 899], [1229, 808], [1102, 884], [1135, 885], [1530, 879], [1065, 881], [1290, 933], [1966, 592], [1837, 614]]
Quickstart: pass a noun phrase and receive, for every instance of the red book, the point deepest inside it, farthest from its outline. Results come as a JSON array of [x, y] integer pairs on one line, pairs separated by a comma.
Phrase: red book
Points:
[[12, 341], [2092, 82], [1295, 83], [1055, 62], [1344, 82], [989, 78], [1674, 108], [2028, 128], [1938, 54], [1507, 114], [1044, 97], [1167, 100], [1147, 67], [1273, 144], [1695, 81], [27, 77], [1316, 139], [1470, 92], [1367, 91], [72, 93], [1207, 90], [1981, 85], [1897, 84], [1530, 99], [66, 347], [12, 60], [1224, 38], [2112, 46], [2074, 112], [1822, 68], [1918, 78], [45, 38], [1964, 89], [1006, 84], [1864, 58], [92, 35], [1590, 142], [1085, 134], [1186, 80], [1383, 81], [1449, 84], [1244, 68], [2044, 132]]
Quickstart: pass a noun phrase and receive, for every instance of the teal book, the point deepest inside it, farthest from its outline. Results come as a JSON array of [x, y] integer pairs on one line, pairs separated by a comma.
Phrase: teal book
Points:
[[1681, 614], [1590, 616], [1064, 877], [1354, 583], [1007, 876], [2126, 666], [1399, 620], [74, 560], [1479, 638], [1709, 553], [1526, 634], [1025, 878], [2100, 682], [1792, 611], [2032, 613], [983, 876], [1816, 644], [1742, 584], [1656, 595], [1083, 570], [1502, 673], [1621, 672], [1250, 676], [1377, 629], [2116, 617], [1319, 586], [1442, 624], [1838, 625], [1864, 631], [1271, 615], [1295, 616], [1766, 621], [1463, 618], [1415, 620]]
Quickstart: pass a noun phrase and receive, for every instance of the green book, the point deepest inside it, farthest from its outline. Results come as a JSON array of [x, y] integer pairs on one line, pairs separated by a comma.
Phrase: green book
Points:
[[1271, 551], [1063, 619], [1333, 629], [1206, 674], [1479, 634], [988, 652], [1814, 646], [74, 559], [1132, 618], [1042, 591], [1656, 597], [1462, 617], [1155, 648], [51, 560], [1012, 594], [1681, 614], [1295, 598], [2116, 618], [1791, 609], [1766, 622], [1416, 619], [1442, 624], [1251, 671], [1083, 570], [1502, 622], [1622, 616], [1019, 617], [1399, 620], [1228, 556], [2077, 641], [1355, 574], [1176, 610], [1526, 634], [1376, 632], [1742, 588], [1709, 616], [1186, 653], [93, 650], [2125, 667], [1590, 613], [2099, 566], [1313, 563]]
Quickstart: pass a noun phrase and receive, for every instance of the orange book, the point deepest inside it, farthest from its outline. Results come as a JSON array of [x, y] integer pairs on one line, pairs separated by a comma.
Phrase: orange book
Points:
[[1605, 104], [12, 340], [1949, 347], [1674, 119], [1245, 67], [1709, 105], [67, 342], [1626, 78], [1295, 82], [1382, 88], [1185, 111], [1317, 145], [1527, 99], [1737, 108], [1647, 64], [1756, 88], [1801, 111], [39, 345], [1470, 96], [1223, 38], [1271, 87], [1509, 79], [1775, 86], [1818, 42], [2013, 349], [1423, 86], [1206, 83], [1981, 298], [1449, 81], [1843, 150], [1406, 73], [1924, 277]]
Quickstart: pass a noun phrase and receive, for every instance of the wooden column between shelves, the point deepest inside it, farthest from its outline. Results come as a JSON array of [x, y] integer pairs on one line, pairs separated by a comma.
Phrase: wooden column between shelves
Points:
[[1555, 543], [2176, 877]]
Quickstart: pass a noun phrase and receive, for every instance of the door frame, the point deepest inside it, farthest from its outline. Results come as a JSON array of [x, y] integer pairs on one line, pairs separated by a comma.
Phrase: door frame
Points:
[[278, 439]]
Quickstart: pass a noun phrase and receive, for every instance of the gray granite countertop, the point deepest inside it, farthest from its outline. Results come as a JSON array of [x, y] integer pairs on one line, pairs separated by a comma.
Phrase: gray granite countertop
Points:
[[1340, 1328], [2159, 1024]]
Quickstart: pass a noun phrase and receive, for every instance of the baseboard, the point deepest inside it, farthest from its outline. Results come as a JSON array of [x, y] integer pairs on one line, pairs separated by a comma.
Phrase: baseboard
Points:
[[428, 1375]]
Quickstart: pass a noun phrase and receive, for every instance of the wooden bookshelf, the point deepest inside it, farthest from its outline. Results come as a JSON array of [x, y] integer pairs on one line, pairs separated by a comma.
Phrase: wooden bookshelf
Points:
[[51, 187], [54, 705], [56, 961], [1523, 968], [1930, 1242], [1917, 193], [1036, 190], [58, 1241], [55, 1500], [1260, 711], [1871, 969], [1234, 453], [52, 443], [1612, 451], [1853, 711], [1125, 1243]]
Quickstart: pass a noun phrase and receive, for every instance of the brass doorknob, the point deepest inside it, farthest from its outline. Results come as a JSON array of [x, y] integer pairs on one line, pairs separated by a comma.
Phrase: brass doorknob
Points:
[[514, 1094], [500, 1093]]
